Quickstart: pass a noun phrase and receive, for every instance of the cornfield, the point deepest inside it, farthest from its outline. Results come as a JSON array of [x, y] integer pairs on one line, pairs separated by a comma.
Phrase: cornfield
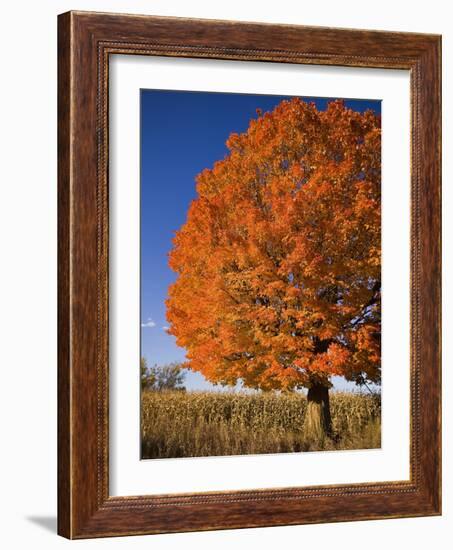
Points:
[[179, 424]]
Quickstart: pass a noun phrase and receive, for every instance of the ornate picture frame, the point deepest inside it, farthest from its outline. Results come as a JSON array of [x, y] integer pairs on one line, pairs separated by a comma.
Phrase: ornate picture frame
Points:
[[86, 41]]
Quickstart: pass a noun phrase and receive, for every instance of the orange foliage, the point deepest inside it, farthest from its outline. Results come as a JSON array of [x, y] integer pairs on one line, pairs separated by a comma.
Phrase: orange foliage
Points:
[[278, 262]]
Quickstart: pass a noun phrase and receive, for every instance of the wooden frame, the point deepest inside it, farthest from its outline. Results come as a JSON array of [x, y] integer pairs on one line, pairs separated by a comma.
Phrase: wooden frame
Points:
[[85, 41]]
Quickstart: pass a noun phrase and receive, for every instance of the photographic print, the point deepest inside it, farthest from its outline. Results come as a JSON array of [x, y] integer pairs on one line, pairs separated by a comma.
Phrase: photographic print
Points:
[[260, 274]]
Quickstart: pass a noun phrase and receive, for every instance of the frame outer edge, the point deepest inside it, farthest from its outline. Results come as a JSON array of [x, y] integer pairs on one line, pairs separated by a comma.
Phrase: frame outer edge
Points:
[[428, 272], [438, 179], [434, 125], [64, 527]]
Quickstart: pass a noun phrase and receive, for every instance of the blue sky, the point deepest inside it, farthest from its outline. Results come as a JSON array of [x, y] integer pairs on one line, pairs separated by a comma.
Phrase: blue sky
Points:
[[181, 134]]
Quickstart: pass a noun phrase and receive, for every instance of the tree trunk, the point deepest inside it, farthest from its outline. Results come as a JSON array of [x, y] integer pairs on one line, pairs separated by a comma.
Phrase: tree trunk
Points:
[[318, 423]]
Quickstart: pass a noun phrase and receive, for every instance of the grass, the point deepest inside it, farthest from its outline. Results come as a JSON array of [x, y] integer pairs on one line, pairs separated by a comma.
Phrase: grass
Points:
[[179, 424]]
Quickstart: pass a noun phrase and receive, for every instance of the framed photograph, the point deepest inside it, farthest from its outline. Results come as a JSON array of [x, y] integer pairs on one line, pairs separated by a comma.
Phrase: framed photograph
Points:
[[249, 275]]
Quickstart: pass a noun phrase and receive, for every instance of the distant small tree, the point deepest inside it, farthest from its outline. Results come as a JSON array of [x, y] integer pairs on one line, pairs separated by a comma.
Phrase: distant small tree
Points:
[[147, 377], [169, 377], [159, 378]]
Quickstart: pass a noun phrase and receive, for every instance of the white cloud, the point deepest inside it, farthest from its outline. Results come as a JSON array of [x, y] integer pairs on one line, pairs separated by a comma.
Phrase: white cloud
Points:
[[165, 327], [149, 323]]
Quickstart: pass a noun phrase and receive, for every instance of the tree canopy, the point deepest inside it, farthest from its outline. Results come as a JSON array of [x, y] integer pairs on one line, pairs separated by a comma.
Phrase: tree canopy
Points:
[[279, 261]]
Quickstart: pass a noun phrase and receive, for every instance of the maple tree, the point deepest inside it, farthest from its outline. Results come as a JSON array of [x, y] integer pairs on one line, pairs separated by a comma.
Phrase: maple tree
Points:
[[279, 261]]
